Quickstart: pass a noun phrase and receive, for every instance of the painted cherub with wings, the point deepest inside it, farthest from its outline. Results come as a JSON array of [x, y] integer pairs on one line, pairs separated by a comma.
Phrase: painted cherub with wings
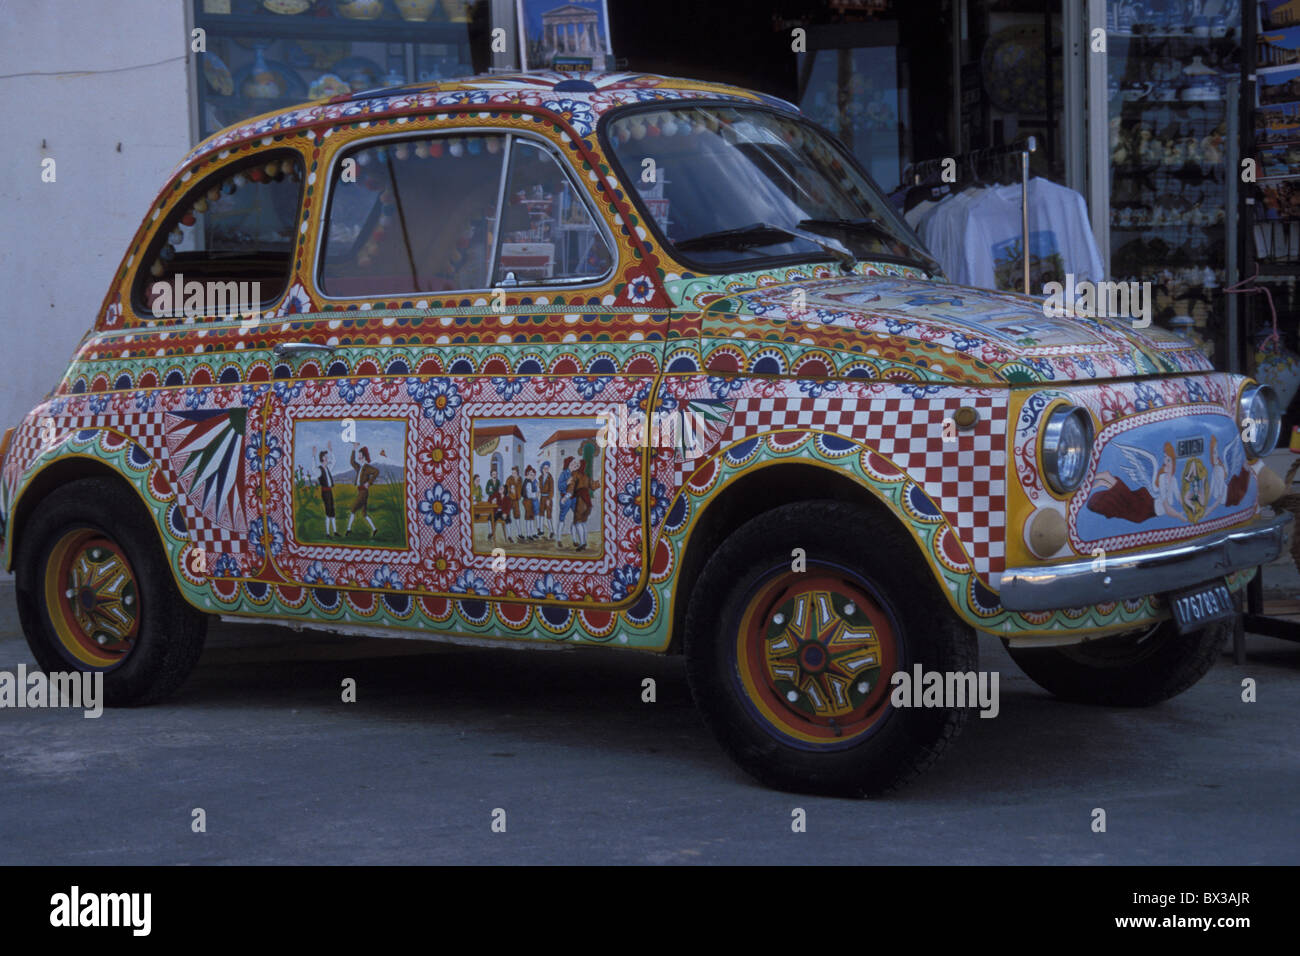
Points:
[[1223, 468], [1144, 470]]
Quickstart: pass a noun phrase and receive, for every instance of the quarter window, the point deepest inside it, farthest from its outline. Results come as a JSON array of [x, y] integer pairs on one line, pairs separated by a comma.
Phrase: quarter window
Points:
[[227, 247]]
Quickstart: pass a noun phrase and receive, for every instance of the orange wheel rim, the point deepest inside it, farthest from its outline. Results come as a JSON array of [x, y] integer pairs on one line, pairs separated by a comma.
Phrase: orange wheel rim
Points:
[[815, 651], [93, 599]]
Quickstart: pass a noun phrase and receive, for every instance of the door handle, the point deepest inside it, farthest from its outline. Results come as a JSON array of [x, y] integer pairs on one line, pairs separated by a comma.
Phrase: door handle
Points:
[[300, 348]]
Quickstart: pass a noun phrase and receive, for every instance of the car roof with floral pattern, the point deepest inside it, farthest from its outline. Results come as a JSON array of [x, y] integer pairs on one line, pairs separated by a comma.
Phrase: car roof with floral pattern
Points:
[[578, 99]]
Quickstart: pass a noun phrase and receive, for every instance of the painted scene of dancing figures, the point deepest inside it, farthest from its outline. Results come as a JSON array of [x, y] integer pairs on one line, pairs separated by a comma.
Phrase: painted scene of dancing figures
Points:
[[350, 493]]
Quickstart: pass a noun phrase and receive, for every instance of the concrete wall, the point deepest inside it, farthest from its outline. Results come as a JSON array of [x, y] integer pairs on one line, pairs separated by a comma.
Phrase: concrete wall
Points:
[[105, 87]]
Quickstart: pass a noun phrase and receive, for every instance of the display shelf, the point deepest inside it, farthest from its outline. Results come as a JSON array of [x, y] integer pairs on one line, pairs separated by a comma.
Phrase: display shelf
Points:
[[1167, 228], [1228, 40], [307, 27], [1171, 171], [1278, 269]]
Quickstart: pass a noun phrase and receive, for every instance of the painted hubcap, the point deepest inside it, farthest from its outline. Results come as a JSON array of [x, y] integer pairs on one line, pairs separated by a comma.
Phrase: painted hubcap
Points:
[[91, 592], [815, 652]]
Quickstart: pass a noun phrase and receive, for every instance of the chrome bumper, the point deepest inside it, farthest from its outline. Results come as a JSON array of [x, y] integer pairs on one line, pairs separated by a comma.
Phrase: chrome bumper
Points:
[[1084, 582]]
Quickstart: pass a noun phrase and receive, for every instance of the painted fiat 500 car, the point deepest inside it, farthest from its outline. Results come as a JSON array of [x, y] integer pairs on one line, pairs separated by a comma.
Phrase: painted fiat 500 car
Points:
[[622, 360]]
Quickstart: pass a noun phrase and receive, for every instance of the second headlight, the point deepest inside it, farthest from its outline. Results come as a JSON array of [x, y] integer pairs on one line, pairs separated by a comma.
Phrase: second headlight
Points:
[[1259, 418], [1066, 447]]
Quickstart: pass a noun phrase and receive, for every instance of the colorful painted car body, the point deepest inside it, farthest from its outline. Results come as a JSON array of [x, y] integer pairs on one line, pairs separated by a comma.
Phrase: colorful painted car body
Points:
[[482, 389]]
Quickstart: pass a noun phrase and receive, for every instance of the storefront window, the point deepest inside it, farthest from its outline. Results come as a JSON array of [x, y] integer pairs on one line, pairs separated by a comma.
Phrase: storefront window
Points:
[[855, 93], [263, 55], [1168, 125]]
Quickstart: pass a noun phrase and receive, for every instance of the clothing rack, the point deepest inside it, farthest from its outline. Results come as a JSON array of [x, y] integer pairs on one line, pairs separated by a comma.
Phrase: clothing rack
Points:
[[924, 168]]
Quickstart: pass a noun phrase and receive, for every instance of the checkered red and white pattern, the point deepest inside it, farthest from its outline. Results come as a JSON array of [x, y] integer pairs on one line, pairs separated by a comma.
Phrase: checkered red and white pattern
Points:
[[210, 536], [147, 429], [965, 478]]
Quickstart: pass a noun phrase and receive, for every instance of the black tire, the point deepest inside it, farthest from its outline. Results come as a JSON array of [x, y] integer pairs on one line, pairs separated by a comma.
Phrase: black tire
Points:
[[1132, 670], [168, 632], [865, 552]]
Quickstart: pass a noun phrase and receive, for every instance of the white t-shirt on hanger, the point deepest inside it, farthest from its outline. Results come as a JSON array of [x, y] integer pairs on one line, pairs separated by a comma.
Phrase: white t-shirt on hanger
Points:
[[1060, 240], [943, 228]]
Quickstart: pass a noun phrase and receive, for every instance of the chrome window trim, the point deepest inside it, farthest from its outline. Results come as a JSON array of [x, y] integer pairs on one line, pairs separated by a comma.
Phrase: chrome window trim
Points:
[[501, 197], [507, 134]]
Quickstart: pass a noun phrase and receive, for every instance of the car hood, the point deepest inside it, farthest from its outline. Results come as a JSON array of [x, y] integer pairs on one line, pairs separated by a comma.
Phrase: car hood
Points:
[[942, 332]]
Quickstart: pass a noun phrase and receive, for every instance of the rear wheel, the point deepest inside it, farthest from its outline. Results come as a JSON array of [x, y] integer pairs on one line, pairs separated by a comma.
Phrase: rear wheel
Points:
[[795, 627], [1131, 670], [95, 594]]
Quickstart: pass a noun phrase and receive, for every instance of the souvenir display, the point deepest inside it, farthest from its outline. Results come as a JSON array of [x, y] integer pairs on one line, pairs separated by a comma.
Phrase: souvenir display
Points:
[[1013, 69], [247, 73], [457, 11], [262, 81], [1168, 130], [361, 73], [442, 359]]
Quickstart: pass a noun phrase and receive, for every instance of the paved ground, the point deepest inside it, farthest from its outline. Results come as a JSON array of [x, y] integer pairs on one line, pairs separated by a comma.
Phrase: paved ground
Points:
[[587, 773]]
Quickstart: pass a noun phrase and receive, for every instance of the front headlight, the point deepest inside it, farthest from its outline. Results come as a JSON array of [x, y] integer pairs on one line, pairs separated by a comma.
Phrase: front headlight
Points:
[[1259, 419], [1066, 447]]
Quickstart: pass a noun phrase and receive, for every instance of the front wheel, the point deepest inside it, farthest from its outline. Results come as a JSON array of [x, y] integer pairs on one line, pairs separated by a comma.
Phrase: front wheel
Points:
[[95, 594], [795, 628], [1132, 670]]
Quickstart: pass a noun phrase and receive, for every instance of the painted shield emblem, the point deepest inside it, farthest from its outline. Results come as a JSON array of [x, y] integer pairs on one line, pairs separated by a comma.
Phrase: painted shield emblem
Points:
[[1194, 490]]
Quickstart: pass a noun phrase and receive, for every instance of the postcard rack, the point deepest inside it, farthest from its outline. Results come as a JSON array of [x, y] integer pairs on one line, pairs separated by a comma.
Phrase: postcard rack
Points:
[[931, 170]]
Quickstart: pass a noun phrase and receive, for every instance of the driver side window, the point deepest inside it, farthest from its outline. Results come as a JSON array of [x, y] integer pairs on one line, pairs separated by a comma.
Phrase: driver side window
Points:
[[547, 232], [412, 216]]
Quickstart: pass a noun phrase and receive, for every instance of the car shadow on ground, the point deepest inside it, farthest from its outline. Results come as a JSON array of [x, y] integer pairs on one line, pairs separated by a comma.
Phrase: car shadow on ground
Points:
[[587, 698]]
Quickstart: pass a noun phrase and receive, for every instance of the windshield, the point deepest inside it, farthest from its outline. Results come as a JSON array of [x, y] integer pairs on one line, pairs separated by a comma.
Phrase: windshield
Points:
[[732, 187]]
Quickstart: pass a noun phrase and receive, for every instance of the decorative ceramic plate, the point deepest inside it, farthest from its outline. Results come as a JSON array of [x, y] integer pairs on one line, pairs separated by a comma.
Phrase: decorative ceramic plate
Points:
[[283, 76], [217, 74], [287, 6], [360, 9], [327, 85], [355, 69], [1012, 68]]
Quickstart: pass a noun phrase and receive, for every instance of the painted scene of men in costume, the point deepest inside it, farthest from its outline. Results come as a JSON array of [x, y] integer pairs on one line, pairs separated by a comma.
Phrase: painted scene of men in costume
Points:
[[537, 486], [350, 493]]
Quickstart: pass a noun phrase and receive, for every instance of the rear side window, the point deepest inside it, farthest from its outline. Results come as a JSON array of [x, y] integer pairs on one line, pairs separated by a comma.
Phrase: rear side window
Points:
[[227, 248]]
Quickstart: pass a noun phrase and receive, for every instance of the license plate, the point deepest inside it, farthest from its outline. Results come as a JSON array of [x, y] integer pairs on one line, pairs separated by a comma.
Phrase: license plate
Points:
[[1196, 607]]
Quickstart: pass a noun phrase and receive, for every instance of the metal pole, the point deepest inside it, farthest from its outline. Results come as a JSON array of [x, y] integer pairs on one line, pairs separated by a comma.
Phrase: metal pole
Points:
[[1030, 146], [1232, 169]]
